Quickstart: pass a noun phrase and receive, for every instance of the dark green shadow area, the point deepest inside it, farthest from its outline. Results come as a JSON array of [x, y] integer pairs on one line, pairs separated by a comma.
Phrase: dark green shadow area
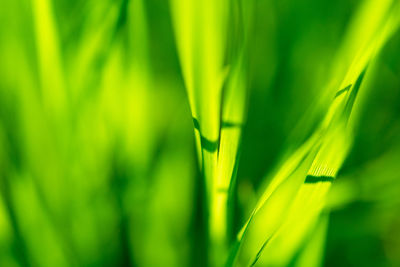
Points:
[[341, 91], [310, 179], [231, 124], [353, 93], [211, 145]]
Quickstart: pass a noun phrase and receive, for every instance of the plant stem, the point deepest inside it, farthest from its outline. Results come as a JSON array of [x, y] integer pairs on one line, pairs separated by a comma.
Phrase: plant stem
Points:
[[218, 228]]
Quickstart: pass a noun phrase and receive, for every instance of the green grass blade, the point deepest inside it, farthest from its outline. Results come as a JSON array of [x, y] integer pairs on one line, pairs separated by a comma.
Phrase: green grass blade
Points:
[[284, 219], [201, 32]]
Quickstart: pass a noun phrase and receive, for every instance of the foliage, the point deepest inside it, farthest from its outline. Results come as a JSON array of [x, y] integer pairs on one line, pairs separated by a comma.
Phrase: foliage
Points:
[[294, 156]]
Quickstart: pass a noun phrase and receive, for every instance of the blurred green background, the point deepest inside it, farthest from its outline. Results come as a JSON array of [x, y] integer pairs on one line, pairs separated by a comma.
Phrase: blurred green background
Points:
[[97, 156]]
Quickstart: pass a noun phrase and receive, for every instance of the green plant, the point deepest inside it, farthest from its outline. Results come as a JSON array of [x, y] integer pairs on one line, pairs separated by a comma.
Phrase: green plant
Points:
[[292, 203], [294, 107]]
